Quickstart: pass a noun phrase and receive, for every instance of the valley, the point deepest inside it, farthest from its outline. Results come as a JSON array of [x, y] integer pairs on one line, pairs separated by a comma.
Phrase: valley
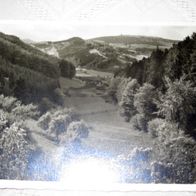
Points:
[[127, 100], [104, 53], [109, 132]]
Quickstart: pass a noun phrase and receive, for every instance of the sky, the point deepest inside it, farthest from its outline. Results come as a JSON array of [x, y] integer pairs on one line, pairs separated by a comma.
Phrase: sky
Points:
[[47, 20], [53, 31]]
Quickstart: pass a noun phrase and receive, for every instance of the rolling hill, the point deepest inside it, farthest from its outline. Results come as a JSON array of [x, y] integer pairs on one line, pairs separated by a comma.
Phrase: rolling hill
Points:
[[104, 53], [26, 72]]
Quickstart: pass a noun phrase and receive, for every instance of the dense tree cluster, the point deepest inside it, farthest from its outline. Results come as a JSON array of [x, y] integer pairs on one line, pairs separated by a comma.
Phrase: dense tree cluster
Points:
[[164, 106], [28, 73], [63, 126], [172, 63], [67, 69], [165, 116], [15, 144], [20, 156], [126, 103]]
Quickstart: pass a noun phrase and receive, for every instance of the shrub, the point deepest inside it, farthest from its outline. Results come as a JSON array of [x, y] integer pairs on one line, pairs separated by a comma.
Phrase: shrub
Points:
[[8, 103], [44, 120], [58, 125], [121, 87], [181, 153], [161, 172], [76, 131], [136, 165], [178, 101], [153, 127], [144, 100], [23, 112], [67, 69], [14, 148], [127, 100], [58, 96], [176, 149], [16, 110], [46, 105], [139, 122], [3, 120], [112, 89]]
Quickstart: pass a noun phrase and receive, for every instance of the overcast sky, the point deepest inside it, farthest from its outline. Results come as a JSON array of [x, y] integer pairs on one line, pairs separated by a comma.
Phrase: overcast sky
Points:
[[42, 20], [45, 31]]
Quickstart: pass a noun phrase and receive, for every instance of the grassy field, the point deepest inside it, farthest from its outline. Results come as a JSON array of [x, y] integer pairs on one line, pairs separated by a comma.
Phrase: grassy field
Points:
[[109, 132]]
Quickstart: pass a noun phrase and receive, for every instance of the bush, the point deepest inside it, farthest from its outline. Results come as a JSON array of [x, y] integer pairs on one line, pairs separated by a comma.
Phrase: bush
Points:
[[127, 100], [176, 152], [144, 100], [121, 87], [16, 110], [44, 120], [15, 149], [139, 122], [46, 105], [59, 125], [8, 103], [178, 101], [181, 153], [58, 96], [153, 127], [76, 131], [113, 87], [136, 165], [67, 69], [23, 112], [161, 172], [3, 121]]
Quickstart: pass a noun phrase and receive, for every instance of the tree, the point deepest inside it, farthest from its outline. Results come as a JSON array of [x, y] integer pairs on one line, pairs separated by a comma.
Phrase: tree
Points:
[[76, 131], [176, 152], [113, 87], [121, 87], [178, 101], [3, 121], [58, 125], [67, 69], [14, 152], [127, 100], [144, 100], [136, 165]]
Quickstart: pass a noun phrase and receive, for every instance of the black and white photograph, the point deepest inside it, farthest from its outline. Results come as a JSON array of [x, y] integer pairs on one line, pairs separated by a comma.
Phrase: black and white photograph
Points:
[[97, 100]]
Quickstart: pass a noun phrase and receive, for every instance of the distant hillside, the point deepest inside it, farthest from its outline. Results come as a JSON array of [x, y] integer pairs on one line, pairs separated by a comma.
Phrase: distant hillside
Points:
[[130, 39], [180, 59], [25, 71], [104, 53]]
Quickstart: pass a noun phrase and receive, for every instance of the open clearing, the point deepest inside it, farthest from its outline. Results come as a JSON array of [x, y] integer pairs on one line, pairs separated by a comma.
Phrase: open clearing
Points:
[[109, 132]]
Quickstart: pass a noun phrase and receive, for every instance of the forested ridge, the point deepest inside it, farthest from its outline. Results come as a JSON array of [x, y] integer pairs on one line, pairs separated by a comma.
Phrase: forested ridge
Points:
[[28, 73], [157, 95], [172, 63]]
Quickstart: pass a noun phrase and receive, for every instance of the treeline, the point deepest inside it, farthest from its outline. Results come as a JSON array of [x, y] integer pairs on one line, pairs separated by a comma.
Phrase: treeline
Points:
[[172, 63], [159, 99], [28, 73], [16, 52], [171, 70], [165, 117]]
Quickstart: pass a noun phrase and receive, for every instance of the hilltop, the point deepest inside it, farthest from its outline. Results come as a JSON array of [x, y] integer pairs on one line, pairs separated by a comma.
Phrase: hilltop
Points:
[[25, 71], [104, 53]]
